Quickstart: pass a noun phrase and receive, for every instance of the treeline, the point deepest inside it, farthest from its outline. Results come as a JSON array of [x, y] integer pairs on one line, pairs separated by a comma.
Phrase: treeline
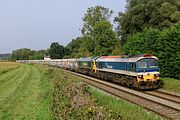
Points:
[[99, 38], [146, 26], [56, 51], [28, 54]]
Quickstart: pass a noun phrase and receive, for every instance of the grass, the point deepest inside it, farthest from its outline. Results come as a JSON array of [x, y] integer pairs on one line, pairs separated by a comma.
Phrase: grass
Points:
[[30, 91], [7, 66], [171, 84], [72, 99], [23, 93], [121, 108]]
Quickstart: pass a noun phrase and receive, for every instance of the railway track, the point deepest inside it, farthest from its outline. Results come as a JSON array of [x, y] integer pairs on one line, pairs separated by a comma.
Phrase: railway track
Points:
[[173, 97], [162, 103]]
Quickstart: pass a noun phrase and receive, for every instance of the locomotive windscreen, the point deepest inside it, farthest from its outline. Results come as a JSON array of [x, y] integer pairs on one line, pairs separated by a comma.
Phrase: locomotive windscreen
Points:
[[148, 65]]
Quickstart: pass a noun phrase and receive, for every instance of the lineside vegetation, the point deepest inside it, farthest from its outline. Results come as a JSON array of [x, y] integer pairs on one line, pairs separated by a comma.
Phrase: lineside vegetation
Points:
[[171, 84], [73, 99]]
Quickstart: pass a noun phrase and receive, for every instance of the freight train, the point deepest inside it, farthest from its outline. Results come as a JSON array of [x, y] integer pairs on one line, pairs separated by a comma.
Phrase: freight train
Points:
[[139, 71]]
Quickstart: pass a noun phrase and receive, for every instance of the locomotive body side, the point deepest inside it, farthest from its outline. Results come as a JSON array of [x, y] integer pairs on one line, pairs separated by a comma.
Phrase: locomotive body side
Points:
[[140, 72]]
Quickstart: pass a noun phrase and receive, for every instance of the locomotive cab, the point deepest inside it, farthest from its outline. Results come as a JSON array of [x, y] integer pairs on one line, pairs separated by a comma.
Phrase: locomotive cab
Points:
[[148, 71]]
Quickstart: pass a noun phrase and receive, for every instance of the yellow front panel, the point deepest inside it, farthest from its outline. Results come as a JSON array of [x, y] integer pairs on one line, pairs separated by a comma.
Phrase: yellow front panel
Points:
[[148, 77]]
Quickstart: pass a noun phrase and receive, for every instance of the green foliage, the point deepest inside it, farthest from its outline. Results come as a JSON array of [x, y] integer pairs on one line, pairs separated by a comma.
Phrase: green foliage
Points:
[[164, 44], [27, 54], [74, 47], [21, 54], [104, 37], [38, 55], [143, 42], [102, 41], [56, 51], [142, 14], [93, 16], [168, 51], [98, 36]]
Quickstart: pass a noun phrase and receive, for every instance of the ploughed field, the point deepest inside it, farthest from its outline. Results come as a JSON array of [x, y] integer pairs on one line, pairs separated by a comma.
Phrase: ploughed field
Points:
[[30, 91]]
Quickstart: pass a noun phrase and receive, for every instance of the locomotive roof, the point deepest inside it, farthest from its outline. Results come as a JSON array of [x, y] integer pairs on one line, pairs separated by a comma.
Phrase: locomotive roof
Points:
[[86, 59], [126, 59]]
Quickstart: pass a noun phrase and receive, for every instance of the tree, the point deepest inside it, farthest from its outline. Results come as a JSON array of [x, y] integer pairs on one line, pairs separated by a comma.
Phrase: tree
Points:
[[22, 54], [74, 46], [142, 14], [38, 55], [93, 16], [56, 51], [168, 51], [142, 42], [105, 38], [98, 36]]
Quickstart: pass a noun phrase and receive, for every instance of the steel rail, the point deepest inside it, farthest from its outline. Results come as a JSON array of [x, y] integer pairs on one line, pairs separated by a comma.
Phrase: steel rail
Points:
[[173, 97]]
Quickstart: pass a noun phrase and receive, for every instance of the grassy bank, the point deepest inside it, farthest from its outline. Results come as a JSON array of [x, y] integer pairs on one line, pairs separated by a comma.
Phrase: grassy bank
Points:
[[171, 84], [120, 109], [73, 99]]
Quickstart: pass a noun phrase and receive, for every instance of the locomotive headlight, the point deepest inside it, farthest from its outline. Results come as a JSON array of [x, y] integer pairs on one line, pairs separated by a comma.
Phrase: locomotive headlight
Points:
[[157, 75], [140, 76]]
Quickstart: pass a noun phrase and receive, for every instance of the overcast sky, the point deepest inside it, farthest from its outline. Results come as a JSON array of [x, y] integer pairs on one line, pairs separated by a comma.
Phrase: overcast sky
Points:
[[35, 24]]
